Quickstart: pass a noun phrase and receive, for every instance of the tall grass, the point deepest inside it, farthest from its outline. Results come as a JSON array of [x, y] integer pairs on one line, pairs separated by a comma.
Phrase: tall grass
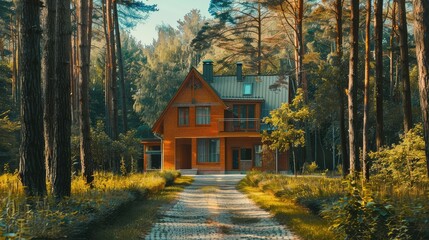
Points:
[[400, 210], [48, 218]]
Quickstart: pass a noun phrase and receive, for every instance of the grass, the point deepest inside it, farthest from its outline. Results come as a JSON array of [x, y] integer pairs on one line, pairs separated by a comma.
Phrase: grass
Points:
[[300, 203], [287, 212], [138, 218], [51, 219]]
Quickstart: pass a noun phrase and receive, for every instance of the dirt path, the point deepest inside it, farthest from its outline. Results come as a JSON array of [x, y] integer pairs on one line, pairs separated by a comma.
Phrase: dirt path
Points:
[[211, 208]]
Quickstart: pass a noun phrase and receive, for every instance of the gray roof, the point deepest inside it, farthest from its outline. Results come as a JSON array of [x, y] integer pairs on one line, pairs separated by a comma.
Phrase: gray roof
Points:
[[273, 90]]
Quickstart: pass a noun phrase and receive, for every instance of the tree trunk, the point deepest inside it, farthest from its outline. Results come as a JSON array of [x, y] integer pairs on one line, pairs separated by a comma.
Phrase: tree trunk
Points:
[[353, 75], [49, 81], [259, 39], [365, 166], [405, 69], [107, 72], [112, 58], [341, 87], [378, 38], [392, 51], [421, 29], [85, 134], [120, 67], [31, 165], [61, 161]]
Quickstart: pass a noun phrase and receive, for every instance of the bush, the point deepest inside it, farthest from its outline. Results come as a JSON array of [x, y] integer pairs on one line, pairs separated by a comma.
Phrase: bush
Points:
[[405, 163], [310, 168], [361, 215]]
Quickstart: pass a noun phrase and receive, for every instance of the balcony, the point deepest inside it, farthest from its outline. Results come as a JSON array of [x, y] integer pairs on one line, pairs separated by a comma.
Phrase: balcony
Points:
[[239, 125]]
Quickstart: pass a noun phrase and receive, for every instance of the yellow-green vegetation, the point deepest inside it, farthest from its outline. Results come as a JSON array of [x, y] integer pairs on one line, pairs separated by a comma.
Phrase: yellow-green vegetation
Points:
[[48, 218], [279, 194], [137, 220], [327, 208]]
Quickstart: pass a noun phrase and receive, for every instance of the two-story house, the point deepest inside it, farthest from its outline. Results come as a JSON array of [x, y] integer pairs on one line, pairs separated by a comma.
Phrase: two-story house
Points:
[[213, 123]]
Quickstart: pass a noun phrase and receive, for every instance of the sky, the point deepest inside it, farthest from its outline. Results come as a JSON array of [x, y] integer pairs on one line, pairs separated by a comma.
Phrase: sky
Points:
[[169, 12]]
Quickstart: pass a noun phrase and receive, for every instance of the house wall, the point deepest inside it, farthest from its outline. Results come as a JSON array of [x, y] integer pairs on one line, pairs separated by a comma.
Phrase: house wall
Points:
[[192, 98]]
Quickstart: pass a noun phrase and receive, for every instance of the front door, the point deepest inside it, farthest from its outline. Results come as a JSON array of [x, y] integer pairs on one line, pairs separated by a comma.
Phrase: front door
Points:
[[235, 158]]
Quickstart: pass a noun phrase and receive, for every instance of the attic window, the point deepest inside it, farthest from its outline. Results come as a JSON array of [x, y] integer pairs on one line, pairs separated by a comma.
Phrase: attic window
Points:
[[247, 89]]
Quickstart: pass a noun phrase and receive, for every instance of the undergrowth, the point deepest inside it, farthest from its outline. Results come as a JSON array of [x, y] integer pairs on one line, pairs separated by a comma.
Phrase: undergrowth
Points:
[[21, 217]]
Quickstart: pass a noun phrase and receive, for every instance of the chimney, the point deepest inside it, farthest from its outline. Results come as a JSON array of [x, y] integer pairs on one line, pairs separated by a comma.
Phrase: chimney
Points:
[[239, 71], [208, 70]]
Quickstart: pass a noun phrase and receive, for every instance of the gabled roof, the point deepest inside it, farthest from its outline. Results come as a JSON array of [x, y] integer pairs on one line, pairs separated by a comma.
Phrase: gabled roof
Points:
[[193, 72], [273, 89]]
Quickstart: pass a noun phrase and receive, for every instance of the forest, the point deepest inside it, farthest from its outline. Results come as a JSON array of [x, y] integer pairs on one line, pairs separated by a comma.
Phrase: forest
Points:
[[360, 70]]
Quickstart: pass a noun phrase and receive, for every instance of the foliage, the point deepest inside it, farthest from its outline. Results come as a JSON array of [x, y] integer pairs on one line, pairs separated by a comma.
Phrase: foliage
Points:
[[286, 124], [359, 215], [243, 30], [127, 148], [47, 218], [310, 168], [168, 61], [131, 12], [267, 191], [9, 148], [353, 211], [405, 162]]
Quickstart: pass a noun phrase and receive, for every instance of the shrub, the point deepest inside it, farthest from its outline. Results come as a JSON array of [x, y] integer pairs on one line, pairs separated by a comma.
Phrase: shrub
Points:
[[310, 168], [405, 163]]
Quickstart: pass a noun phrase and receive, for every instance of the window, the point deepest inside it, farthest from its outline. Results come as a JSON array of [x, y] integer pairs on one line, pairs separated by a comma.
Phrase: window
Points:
[[258, 156], [208, 150], [183, 116], [203, 115], [247, 89], [246, 154], [245, 113]]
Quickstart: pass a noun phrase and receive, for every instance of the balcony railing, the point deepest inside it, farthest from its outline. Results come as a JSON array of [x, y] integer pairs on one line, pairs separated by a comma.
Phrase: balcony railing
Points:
[[239, 125]]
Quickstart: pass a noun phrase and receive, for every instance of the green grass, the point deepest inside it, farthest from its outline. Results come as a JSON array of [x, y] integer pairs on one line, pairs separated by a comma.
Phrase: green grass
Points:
[[137, 219], [287, 212], [48, 218]]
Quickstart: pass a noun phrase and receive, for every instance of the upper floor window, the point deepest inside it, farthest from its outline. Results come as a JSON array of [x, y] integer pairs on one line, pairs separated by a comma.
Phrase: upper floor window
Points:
[[247, 89], [245, 114], [183, 116], [202, 115]]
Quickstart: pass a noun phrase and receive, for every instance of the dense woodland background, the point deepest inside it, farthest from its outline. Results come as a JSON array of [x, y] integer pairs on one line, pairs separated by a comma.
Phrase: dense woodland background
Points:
[[118, 86], [362, 67]]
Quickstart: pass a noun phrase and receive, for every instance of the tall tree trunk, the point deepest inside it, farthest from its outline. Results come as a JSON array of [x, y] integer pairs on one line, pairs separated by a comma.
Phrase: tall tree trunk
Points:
[[31, 165], [341, 87], [107, 80], [365, 165], [85, 134], [353, 75], [49, 81], [421, 29], [61, 161], [120, 67], [259, 39], [112, 58], [392, 51], [405, 69], [378, 38]]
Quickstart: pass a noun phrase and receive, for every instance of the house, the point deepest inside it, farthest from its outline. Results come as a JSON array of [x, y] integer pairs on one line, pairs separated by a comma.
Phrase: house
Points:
[[213, 123]]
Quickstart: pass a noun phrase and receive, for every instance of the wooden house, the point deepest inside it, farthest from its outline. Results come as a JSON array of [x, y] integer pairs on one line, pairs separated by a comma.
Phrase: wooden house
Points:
[[213, 124]]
